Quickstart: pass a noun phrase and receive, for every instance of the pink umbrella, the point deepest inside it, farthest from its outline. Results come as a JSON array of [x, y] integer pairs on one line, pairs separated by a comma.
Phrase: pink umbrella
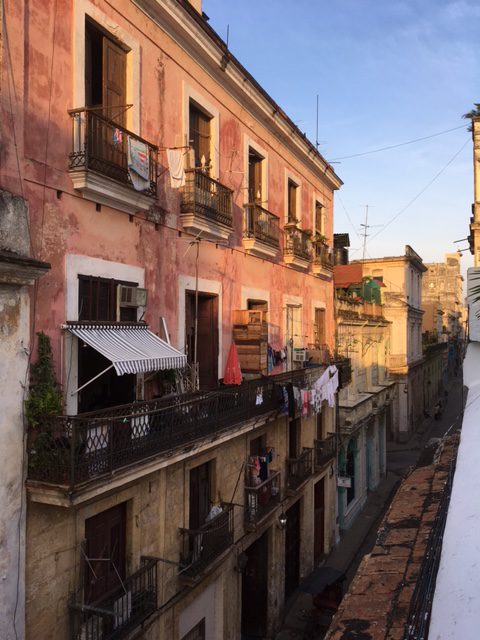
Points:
[[233, 373]]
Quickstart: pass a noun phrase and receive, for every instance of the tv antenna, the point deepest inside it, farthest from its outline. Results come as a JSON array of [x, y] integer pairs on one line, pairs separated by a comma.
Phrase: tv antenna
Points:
[[366, 227]]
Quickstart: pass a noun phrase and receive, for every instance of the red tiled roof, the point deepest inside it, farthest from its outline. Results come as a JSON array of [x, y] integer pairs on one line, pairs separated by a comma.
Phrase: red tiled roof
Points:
[[346, 274]]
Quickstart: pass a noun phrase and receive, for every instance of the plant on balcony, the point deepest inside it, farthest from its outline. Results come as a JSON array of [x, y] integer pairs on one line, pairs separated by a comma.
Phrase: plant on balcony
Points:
[[319, 237], [45, 397]]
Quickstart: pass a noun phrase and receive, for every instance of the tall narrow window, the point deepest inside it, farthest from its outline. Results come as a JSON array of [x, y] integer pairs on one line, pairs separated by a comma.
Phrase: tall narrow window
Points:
[[200, 136], [105, 74], [255, 194], [319, 335], [319, 218], [292, 201]]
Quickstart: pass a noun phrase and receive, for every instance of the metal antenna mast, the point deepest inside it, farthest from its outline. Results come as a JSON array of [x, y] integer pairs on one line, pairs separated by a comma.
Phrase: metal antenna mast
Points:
[[316, 133], [365, 234]]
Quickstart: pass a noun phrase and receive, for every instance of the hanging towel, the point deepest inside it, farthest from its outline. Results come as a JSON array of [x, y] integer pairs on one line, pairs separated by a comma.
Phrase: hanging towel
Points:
[[176, 168], [138, 164], [305, 397]]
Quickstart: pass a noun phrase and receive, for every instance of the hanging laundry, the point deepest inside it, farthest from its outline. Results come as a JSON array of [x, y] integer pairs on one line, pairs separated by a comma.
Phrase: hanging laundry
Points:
[[305, 399], [263, 469], [270, 359], [259, 397], [138, 164], [117, 136], [297, 393], [176, 168]]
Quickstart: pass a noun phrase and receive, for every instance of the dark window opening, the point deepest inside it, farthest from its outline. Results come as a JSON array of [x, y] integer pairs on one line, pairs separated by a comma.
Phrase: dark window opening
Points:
[[200, 495], [257, 305], [97, 300], [258, 446], [294, 438], [292, 201], [319, 218], [350, 468], [254, 177], [199, 136], [206, 337]]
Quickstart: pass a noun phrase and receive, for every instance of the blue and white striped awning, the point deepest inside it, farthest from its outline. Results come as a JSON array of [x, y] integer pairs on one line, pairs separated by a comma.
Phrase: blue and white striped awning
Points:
[[130, 348]]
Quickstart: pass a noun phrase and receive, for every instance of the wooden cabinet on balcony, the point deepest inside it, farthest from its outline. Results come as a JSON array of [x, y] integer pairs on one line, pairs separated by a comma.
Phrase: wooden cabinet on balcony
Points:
[[261, 231], [322, 258], [206, 208], [250, 334], [298, 247], [101, 164]]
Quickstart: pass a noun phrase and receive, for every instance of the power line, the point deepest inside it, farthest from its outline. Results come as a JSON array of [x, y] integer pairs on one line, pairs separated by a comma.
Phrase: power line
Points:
[[400, 144]]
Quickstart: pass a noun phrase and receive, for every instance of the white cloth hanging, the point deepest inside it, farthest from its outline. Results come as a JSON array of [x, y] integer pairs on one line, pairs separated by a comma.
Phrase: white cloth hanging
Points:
[[176, 168]]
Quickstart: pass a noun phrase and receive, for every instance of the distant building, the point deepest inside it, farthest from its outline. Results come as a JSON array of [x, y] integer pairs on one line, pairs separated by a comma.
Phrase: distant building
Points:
[[442, 298], [402, 298]]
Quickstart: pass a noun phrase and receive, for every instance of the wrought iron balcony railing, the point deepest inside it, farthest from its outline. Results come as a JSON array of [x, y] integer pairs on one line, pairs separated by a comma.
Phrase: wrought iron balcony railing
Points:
[[101, 145], [70, 450], [200, 547], [261, 499], [322, 254], [115, 616], [299, 469], [262, 225], [325, 450], [297, 243], [206, 197]]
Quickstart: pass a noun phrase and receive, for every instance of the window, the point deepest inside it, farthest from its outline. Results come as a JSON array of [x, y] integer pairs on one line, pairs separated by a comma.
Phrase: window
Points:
[[200, 495], [319, 218], [105, 73], [97, 300], [255, 187], [294, 325], [105, 542], [319, 335], [258, 446], [257, 305], [200, 136], [292, 190], [294, 438]]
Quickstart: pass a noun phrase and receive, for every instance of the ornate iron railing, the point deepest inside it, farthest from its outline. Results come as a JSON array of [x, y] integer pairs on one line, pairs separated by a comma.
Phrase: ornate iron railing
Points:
[[115, 616], [325, 450], [299, 469], [206, 197], [261, 499], [298, 243], [100, 144], [322, 254], [201, 546], [262, 225]]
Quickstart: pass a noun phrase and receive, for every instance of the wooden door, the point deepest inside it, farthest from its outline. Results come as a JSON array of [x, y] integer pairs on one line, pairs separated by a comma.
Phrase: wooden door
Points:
[[255, 590], [292, 550], [199, 495], [207, 337], [105, 549], [254, 177], [319, 521], [114, 81], [293, 438]]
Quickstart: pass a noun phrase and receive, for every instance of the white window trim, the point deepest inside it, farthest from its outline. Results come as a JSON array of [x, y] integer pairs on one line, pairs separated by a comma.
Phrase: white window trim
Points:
[[76, 265], [294, 301], [249, 143], [294, 178], [252, 293], [189, 93], [187, 283], [83, 8]]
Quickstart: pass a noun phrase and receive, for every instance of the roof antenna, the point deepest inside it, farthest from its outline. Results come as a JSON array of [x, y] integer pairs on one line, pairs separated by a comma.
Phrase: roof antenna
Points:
[[316, 134]]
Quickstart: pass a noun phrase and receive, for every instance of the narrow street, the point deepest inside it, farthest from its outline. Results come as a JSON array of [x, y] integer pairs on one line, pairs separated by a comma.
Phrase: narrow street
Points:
[[360, 539]]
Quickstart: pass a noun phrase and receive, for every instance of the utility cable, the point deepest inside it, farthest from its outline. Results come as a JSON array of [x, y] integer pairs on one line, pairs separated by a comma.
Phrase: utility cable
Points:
[[396, 146]]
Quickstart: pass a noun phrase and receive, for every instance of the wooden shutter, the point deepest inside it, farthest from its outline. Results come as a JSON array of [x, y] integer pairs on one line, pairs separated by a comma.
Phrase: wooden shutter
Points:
[[292, 201], [200, 135], [319, 328], [114, 80], [319, 226], [199, 495]]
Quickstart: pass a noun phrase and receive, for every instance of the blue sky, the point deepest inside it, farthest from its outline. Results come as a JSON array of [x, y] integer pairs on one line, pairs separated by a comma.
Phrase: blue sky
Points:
[[385, 72]]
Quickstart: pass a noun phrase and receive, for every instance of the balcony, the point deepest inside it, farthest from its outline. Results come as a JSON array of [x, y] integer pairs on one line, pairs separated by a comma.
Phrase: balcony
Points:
[[206, 207], [201, 547], [325, 450], [261, 233], [261, 500], [298, 247], [344, 366], [99, 163], [116, 616], [322, 258], [299, 469]]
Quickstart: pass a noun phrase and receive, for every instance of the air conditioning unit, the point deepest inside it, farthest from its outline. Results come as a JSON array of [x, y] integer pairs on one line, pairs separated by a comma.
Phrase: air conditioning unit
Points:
[[299, 355], [131, 296]]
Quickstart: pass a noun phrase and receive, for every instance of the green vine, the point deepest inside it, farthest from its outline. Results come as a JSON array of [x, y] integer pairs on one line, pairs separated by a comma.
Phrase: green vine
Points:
[[45, 394]]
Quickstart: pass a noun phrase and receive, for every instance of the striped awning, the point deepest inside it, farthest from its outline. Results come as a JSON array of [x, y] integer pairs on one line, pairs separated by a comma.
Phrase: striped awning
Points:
[[130, 348]]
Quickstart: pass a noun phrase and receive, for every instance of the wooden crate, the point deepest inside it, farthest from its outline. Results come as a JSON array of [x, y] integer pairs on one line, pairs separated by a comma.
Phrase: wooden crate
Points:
[[250, 332], [253, 357], [244, 316]]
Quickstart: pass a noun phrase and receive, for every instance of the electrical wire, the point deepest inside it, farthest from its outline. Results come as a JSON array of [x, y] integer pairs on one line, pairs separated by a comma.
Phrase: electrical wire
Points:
[[396, 146]]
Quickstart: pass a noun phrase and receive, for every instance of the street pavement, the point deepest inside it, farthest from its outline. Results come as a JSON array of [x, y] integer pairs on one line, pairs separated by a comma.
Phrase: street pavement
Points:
[[360, 538]]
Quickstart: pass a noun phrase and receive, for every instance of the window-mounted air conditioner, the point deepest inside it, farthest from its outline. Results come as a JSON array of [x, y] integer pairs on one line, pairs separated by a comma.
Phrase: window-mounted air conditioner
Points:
[[299, 355], [131, 296]]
